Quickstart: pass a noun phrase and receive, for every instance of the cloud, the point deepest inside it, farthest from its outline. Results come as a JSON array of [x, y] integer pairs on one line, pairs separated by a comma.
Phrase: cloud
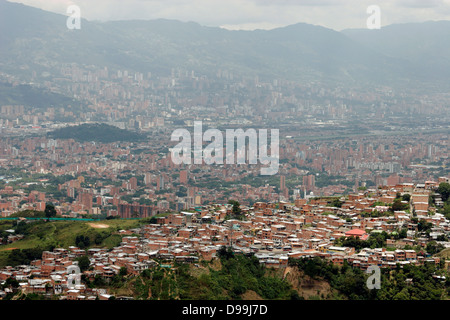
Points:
[[299, 3], [252, 14], [420, 3]]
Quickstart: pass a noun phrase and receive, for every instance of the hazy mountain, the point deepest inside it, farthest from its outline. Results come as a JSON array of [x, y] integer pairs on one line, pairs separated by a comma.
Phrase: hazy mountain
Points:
[[40, 40], [30, 96], [425, 45]]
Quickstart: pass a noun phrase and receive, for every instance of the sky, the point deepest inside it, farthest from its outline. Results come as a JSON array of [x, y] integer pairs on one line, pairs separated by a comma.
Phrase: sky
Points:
[[255, 14]]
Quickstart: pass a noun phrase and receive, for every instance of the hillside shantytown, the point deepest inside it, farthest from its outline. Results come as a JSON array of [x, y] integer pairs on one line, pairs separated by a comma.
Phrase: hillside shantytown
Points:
[[89, 181], [272, 231]]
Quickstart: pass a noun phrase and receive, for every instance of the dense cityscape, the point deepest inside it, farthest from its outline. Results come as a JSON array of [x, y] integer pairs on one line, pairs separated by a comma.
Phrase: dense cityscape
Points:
[[88, 183]]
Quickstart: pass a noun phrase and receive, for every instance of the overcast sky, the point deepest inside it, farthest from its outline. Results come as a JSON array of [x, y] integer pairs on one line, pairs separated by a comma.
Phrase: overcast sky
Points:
[[253, 14]]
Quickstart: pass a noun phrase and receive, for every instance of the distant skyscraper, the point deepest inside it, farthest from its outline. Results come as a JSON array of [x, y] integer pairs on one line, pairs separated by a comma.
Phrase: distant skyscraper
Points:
[[309, 182], [147, 179], [282, 183], [133, 183], [86, 200], [183, 177], [160, 183], [71, 192], [126, 210]]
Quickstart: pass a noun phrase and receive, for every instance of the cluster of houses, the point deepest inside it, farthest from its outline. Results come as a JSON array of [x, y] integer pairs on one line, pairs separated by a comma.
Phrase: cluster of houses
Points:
[[273, 232]]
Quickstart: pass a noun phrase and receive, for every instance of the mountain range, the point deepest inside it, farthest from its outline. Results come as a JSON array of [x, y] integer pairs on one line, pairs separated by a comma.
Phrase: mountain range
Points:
[[35, 39]]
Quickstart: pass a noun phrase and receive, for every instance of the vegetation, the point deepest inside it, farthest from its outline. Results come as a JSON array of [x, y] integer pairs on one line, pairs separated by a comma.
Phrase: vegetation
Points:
[[83, 263], [236, 212], [28, 214], [25, 256], [402, 283], [398, 204], [29, 96], [376, 240], [231, 278], [236, 207], [235, 275], [98, 132], [376, 214], [336, 203], [50, 211], [42, 235], [444, 191]]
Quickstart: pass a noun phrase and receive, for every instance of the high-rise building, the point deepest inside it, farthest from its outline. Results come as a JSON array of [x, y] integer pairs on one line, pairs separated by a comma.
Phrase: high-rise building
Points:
[[127, 211], [71, 192], [282, 183], [86, 200], [309, 181], [133, 183], [183, 177], [147, 179], [160, 183]]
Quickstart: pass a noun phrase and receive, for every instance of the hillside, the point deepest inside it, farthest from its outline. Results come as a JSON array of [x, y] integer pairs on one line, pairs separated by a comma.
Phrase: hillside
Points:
[[43, 235], [98, 132], [233, 277], [239, 277], [33, 97], [426, 46], [40, 41], [230, 276]]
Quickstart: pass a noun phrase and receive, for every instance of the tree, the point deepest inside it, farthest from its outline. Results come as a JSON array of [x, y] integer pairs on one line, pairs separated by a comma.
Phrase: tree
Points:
[[444, 191], [446, 210], [225, 253], [398, 205], [50, 211], [424, 226], [402, 295], [403, 233], [433, 247], [236, 207], [82, 241], [336, 203], [11, 282], [99, 237], [99, 281], [406, 197], [84, 263], [123, 271], [135, 214], [24, 256]]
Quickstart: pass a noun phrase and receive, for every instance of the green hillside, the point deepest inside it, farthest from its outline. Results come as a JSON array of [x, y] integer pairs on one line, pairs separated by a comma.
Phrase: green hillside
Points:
[[231, 277], [98, 132], [33, 97], [43, 235]]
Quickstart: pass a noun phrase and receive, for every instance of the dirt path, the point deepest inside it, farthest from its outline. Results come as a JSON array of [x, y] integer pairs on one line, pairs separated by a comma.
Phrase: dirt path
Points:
[[9, 249], [98, 225]]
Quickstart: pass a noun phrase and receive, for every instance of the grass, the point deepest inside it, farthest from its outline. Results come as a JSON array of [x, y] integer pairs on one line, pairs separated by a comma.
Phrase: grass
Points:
[[5, 225], [62, 234], [444, 254], [3, 257]]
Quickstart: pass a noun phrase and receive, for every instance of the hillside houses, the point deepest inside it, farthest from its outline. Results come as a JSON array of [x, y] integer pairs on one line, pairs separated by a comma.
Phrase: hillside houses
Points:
[[272, 235]]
